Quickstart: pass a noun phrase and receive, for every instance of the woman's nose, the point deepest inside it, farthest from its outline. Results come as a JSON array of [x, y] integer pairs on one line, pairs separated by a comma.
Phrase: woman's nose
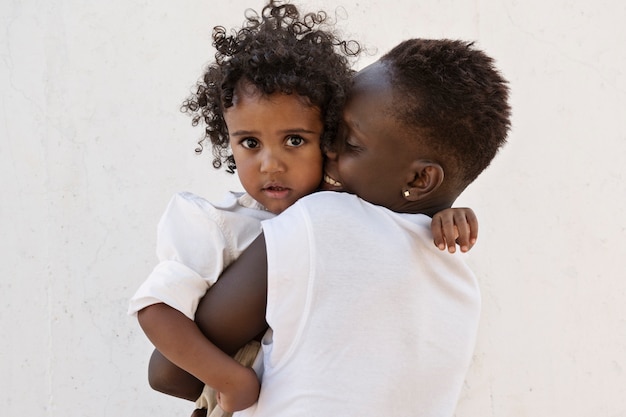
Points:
[[331, 154]]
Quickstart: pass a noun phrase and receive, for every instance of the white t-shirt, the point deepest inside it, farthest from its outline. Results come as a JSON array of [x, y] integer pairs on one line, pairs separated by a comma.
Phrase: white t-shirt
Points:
[[367, 316], [196, 240]]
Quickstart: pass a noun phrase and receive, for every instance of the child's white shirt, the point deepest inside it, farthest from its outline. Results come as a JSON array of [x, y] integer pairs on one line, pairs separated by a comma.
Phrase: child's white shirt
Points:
[[196, 240]]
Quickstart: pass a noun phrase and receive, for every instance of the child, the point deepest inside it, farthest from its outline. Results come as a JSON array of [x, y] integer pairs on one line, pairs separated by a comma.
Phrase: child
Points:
[[273, 97], [421, 124], [270, 101]]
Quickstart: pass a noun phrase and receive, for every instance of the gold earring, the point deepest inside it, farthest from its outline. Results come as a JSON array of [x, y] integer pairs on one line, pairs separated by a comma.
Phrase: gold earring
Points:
[[406, 193]]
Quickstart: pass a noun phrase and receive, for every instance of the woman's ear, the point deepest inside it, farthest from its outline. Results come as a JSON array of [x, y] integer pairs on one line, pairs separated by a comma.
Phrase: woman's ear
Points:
[[424, 178]]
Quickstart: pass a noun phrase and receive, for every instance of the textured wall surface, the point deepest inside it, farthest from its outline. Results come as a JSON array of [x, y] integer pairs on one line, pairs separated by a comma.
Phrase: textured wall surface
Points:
[[92, 145]]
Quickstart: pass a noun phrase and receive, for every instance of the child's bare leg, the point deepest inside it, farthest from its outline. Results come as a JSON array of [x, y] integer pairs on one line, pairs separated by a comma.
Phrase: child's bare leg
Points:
[[169, 379], [200, 412]]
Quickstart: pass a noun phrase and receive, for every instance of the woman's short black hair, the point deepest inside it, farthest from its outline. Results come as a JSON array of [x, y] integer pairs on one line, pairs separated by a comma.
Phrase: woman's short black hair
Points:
[[276, 51], [454, 96]]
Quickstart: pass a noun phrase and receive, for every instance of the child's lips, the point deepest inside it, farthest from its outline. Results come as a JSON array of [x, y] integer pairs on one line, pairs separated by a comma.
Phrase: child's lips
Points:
[[276, 191]]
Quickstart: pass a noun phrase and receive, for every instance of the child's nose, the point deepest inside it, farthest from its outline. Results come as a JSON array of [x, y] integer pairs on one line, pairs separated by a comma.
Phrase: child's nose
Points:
[[271, 162]]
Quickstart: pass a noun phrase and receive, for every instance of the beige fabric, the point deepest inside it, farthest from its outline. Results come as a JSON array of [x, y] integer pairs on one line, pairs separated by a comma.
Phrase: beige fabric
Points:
[[245, 356]]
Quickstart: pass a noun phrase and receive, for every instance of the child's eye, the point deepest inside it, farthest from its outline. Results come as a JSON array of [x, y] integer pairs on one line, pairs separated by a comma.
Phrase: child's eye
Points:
[[249, 143], [295, 141]]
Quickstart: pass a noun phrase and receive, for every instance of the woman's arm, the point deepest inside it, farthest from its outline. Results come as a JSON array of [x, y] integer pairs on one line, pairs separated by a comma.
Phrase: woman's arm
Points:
[[232, 312]]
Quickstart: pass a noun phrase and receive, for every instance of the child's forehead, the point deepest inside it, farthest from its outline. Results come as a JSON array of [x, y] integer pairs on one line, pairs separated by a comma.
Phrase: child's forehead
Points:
[[245, 89]]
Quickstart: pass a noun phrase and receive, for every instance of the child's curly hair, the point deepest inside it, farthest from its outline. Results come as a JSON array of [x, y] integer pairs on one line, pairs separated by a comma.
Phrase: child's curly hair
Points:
[[278, 51]]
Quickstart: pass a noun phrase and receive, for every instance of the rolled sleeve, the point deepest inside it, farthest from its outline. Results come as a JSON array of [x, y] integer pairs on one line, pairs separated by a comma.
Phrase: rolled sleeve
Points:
[[174, 284], [191, 248]]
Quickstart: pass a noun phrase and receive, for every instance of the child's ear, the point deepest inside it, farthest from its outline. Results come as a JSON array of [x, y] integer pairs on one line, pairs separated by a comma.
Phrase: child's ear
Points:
[[424, 178]]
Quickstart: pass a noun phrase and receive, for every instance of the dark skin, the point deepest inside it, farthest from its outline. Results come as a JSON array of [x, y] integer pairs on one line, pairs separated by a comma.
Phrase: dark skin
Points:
[[199, 412], [168, 378]]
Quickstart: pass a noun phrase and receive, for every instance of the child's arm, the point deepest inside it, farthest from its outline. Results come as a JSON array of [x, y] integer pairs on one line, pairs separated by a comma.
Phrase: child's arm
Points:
[[455, 225], [231, 314], [180, 340], [182, 277]]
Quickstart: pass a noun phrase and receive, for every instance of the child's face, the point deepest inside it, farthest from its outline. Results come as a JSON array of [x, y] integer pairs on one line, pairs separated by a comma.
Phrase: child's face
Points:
[[276, 145], [374, 150]]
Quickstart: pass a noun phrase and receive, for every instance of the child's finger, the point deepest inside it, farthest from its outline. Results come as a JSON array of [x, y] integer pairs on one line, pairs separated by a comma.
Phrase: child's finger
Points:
[[448, 231], [437, 231], [465, 238], [472, 222]]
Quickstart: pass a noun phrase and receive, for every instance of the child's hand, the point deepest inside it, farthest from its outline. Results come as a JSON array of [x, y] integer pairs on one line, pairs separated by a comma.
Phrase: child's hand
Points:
[[455, 225], [244, 393]]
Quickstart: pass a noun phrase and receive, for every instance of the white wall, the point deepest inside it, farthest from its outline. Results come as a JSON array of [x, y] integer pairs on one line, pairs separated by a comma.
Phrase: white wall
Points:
[[93, 145]]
